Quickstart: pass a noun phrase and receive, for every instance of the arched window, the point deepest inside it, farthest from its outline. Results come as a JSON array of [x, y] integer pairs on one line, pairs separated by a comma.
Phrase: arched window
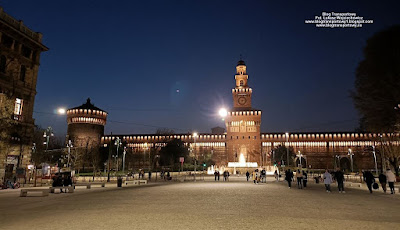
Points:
[[241, 82], [22, 73], [3, 61]]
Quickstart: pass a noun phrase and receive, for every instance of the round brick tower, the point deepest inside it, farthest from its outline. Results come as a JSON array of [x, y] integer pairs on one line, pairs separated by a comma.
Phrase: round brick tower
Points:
[[86, 124]]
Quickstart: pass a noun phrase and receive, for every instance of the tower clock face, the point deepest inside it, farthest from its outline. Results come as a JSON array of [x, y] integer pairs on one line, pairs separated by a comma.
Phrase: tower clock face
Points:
[[242, 100]]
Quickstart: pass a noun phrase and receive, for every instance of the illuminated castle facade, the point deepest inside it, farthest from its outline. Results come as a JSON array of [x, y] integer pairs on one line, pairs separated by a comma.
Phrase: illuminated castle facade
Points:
[[243, 139]]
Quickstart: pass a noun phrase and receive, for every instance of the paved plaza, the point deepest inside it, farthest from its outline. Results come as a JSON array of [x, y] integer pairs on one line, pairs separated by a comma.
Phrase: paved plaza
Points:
[[202, 205]]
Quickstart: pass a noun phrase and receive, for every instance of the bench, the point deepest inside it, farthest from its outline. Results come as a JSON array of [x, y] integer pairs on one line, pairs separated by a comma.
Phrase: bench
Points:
[[24, 191], [89, 185], [136, 182], [69, 188], [352, 184], [103, 184]]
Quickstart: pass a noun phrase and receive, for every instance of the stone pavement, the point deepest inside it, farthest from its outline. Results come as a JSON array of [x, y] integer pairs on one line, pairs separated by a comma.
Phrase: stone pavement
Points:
[[203, 205]]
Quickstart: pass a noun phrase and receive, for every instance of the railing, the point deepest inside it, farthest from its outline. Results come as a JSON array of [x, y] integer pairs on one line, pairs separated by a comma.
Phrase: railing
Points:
[[19, 25]]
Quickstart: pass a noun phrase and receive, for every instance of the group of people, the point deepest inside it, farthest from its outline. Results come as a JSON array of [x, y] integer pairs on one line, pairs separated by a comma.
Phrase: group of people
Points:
[[384, 178], [301, 176], [9, 184], [258, 176], [225, 175], [387, 178], [62, 181], [337, 176]]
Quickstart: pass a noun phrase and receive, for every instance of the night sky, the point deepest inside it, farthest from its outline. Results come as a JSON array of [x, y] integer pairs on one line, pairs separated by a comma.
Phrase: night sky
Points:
[[131, 57]]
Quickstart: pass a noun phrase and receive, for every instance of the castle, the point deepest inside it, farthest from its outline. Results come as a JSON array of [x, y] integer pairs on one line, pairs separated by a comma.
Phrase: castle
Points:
[[243, 139]]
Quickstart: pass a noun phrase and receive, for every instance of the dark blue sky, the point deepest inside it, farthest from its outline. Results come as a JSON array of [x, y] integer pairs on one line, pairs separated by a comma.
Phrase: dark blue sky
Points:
[[129, 57]]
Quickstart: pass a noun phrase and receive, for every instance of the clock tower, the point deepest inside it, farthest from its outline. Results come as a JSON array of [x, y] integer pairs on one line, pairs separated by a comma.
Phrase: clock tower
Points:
[[242, 92], [243, 122]]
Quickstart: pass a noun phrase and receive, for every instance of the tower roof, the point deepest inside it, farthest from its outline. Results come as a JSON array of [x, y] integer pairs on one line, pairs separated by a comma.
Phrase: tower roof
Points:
[[240, 62], [88, 105]]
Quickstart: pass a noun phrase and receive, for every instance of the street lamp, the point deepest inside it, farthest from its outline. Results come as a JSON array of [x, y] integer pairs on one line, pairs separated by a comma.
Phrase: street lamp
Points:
[[338, 160], [69, 146], [287, 147], [123, 161], [117, 143], [194, 152], [47, 134], [300, 156], [351, 154], [373, 151], [383, 155]]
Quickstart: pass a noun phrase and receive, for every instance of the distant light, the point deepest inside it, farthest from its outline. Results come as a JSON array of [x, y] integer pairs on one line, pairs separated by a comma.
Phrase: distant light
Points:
[[195, 134], [286, 134], [177, 90], [223, 112], [61, 111]]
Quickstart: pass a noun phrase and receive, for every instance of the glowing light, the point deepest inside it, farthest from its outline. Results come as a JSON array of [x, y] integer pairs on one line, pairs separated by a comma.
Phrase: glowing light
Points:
[[195, 134], [223, 112], [61, 111]]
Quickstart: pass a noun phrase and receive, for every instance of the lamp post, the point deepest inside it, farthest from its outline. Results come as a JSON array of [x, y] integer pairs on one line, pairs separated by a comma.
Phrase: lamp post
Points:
[[47, 134], [338, 160], [383, 155], [300, 156], [69, 145], [351, 158], [194, 152], [373, 151], [123, 161], [287, 147], [117, 143], [34, 168]]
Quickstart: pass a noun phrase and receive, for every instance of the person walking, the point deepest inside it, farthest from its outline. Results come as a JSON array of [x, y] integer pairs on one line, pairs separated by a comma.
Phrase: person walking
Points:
[[215, 175], [383, 180], [255, 176], [299, 176], [327, 180], [339, 177], [218, 175], [289, 177], [305, 178], [247, 175], [369, 179], [149, 175], [391, 179], [276, 175]]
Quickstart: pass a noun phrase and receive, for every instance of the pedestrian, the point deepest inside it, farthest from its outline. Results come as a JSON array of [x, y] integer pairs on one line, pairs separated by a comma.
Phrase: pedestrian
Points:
[[149, 175], [305, 179], [391, 179], [299, 177], [276, 175], [247, 175], [369, 179], [215, 175], [289, 177], [218, 175], [255, 176], [227, 175], [339, 177], [327, 180], [383, 180]]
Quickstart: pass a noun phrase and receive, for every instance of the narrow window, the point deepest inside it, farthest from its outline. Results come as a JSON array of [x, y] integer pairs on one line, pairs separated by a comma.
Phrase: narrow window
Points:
[[3, 61], [241, 82], [22, 73]]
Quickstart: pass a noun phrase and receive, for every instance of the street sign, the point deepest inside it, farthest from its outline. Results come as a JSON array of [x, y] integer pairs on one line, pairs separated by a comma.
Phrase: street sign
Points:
[[181, 159]]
